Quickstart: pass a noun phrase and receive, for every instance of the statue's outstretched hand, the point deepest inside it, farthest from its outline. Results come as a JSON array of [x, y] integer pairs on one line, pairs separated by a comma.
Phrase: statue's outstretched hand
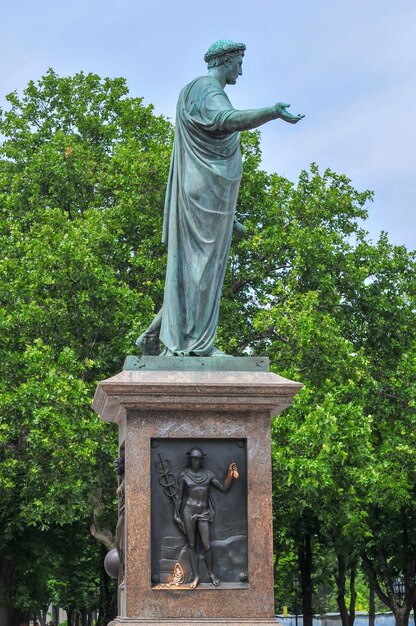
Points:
[[285, 115]]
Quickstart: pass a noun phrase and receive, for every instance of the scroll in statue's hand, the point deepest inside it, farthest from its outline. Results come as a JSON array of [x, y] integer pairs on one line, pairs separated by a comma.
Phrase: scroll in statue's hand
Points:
[[285, 115]]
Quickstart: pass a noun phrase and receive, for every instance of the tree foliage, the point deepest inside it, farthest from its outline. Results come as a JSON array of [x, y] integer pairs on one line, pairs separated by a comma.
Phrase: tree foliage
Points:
[[82, 175]]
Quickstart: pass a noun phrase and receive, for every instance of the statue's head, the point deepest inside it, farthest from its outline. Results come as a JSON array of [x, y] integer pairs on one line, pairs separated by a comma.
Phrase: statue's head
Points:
[[196, 457], [223, 52]]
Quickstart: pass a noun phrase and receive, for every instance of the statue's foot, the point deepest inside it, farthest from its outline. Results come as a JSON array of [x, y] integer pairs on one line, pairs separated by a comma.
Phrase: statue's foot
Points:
[[194, 583], [167, 352], [148, 344], [215, 581]]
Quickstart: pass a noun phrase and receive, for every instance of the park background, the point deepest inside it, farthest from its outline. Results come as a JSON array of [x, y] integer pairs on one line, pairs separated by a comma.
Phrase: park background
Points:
[[82, 178]]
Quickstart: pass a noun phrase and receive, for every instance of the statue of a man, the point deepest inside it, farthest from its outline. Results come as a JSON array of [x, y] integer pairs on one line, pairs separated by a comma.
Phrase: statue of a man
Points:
[[197, 510], [200, 203]]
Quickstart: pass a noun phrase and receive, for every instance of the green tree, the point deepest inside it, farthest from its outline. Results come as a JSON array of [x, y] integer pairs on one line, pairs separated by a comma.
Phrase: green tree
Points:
[[82, 174], [387, 304]]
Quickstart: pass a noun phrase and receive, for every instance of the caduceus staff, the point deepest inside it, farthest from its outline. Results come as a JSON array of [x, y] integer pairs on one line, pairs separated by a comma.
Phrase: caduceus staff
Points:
[[167, 482]]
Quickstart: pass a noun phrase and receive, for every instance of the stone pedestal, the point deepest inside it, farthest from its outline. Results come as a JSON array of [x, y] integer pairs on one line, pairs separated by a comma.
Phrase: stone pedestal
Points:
[[216, 403]]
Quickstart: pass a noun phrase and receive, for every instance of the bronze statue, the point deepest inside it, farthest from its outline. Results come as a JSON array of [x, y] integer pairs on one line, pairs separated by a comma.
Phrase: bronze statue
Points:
[[195, 510], [200, 203]]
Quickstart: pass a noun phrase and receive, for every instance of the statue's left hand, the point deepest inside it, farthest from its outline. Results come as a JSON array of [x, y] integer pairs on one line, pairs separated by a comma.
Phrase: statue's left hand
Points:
[[285, 115], [239, 229], [179, 522]]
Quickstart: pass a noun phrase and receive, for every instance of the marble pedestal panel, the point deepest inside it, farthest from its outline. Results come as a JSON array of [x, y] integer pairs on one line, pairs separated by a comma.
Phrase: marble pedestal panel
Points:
[[204, 401]]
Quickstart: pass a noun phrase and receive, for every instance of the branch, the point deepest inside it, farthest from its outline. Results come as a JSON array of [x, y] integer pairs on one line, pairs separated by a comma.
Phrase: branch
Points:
[[268, 271], [368, 566], [401, 403], [238, 285], [387, 581], [103, 535], [271, 331]]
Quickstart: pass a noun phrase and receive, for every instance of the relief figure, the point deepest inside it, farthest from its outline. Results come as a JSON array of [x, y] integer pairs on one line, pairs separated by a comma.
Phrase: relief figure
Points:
[[195, 511]]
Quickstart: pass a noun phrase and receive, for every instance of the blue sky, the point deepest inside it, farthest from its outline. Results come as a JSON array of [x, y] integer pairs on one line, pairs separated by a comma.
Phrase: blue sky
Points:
[[350, 67]]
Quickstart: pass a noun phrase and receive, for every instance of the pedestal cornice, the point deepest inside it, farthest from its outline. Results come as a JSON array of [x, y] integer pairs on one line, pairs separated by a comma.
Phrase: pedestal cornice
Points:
[[190, 390]]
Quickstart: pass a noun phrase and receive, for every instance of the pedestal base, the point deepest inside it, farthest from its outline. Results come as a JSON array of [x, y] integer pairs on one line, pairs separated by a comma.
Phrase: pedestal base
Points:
[[194, 622]]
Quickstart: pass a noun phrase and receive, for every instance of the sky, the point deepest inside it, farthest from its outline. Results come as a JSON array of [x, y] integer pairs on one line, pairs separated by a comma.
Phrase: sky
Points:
[[349, 66]]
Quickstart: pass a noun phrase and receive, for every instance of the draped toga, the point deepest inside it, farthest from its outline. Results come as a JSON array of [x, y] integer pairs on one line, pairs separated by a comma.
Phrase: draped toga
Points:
[[201, 197]]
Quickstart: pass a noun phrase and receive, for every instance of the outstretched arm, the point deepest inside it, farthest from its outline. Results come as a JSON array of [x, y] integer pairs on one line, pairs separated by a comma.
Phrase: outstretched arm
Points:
[[232, 473], [253, 118]]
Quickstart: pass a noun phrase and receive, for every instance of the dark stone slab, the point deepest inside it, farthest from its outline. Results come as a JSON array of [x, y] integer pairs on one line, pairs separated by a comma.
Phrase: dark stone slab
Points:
[[197, 364]]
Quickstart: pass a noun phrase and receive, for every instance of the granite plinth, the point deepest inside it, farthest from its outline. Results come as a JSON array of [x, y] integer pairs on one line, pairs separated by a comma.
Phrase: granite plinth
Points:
[[152, 404]]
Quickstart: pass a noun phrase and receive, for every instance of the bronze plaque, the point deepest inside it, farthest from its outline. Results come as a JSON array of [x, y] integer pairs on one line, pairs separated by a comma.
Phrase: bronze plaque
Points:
[[199, 513]]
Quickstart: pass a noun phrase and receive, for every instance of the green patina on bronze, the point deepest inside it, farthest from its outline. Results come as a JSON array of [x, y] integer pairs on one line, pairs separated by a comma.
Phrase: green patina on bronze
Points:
[[200, 203], [196, 364]]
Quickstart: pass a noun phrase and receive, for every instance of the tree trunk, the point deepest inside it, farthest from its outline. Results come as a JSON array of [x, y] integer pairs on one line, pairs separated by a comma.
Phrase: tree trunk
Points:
[[9, 616], [401, 613], [69, 616], [347, 616], [372, 606], [55, 615], [305, 568], [340, 580], [353, 595], [16, 618], [402, 616], [108, 599], [275, 566]]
